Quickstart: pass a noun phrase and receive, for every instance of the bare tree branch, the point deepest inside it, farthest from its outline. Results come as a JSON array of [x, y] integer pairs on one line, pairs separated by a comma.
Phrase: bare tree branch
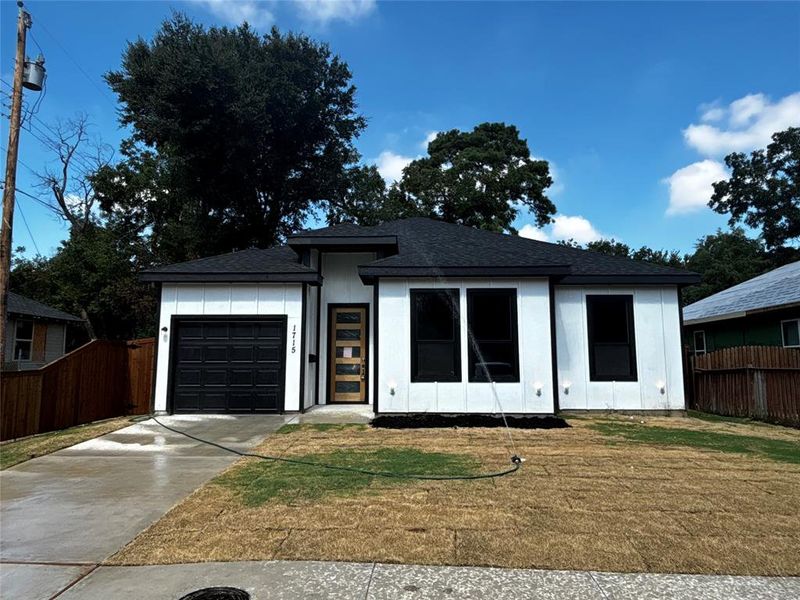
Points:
[[79, 154]]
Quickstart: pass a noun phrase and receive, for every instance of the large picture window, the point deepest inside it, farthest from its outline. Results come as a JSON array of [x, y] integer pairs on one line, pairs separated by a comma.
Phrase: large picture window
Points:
[[435, 336], [612, 347], [492, 321]]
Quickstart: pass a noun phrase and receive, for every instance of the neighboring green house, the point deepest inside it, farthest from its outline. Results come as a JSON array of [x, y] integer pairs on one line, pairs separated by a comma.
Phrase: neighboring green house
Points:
[[763, 311]]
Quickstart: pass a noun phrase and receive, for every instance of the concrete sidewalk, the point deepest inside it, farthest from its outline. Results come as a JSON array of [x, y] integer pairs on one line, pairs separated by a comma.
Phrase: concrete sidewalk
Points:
[[296, 580]]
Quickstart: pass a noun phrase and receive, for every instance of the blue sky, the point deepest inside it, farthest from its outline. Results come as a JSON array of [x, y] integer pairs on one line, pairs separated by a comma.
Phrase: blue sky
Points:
[[634, 104]]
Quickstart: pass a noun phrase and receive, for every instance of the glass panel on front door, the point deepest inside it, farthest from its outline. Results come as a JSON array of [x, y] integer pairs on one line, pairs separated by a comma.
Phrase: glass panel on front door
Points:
[[348, 351]]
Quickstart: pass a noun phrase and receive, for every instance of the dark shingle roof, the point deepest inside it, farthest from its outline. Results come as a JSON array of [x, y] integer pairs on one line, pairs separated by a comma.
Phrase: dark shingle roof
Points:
[[426, 247], [21, 305], [280, 263], [776, 289]]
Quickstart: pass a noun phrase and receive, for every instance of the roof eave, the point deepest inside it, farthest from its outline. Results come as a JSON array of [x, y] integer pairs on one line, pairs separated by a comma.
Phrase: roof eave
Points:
[[627, 279], [739, 314], [369, 274], [342, 242], [35, 317], [158, 277]]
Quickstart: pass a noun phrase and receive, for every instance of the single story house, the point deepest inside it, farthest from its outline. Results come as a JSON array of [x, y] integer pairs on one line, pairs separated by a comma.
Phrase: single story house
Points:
[[37, 333], [763, 311], [418, 316]]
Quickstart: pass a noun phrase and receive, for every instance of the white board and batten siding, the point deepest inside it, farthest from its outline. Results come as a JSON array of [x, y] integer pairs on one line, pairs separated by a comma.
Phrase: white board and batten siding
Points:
[[342, 285], [535, 364], [231, 300], [658, 351]]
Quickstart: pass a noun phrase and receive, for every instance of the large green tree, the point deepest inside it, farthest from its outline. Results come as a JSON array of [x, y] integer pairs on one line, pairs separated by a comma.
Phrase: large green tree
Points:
[[482, 178], [94, 274], [763, 190], [725, 259], [236, 136]]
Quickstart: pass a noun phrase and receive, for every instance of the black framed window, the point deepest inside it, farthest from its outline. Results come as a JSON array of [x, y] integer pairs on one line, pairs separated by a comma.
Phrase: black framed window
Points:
[[492, 322], [435, 335], [612, 344]]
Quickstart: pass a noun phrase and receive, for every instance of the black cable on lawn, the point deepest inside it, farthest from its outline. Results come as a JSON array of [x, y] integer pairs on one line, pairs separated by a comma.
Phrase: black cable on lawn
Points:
[[515, 460]]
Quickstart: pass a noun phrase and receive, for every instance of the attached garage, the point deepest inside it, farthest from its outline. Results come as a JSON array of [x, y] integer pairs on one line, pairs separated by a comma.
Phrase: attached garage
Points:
[[228, 365]]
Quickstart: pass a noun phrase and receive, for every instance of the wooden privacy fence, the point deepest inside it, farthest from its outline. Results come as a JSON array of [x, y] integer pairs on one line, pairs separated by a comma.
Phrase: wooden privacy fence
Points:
[[760, 382], [99, 380]]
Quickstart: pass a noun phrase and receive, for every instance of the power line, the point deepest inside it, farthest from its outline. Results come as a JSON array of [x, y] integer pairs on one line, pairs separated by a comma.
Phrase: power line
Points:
[[77, 64], [25, 221], [20, 161]]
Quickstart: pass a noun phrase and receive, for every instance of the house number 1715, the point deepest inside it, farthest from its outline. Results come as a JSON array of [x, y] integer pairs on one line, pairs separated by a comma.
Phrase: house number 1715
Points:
[[294, 338]]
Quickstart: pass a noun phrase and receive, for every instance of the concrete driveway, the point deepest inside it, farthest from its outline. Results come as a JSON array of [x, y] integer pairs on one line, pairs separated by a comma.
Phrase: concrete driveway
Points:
[[64, 513]]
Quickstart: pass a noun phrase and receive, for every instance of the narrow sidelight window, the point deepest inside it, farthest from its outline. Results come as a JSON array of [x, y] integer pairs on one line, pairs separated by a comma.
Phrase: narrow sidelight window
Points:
[[435, 336], [612, 348], [493, 349]]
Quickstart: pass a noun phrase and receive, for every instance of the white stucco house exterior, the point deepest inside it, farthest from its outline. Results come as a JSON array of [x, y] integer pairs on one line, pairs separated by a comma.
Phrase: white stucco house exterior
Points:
[[418, 316]]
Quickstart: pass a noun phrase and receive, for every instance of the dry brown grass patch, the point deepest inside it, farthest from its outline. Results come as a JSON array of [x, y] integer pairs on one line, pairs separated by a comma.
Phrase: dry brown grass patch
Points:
[[577, 503]]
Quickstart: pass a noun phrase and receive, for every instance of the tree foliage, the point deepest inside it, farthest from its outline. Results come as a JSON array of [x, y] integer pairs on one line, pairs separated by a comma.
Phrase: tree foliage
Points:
[[235, 136], [482, 178], [725, 259], [763, 190], [93, 274]]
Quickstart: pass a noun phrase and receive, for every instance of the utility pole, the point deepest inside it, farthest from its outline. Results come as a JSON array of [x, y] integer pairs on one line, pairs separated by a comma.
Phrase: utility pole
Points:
[[9, 190]]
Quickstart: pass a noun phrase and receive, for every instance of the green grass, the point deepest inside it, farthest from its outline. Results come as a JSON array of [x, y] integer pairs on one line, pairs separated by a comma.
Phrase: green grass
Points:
[[324, 427], [773, 449], [260, 481], [712, 418]]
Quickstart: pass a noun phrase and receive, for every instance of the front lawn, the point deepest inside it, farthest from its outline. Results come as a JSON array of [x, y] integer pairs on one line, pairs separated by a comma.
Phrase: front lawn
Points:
[[15, 452], [611, 494]]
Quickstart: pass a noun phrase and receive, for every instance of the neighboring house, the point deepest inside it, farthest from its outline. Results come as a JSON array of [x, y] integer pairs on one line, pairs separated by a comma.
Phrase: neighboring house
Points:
[[763, 311], [417, 316], [36, 333]]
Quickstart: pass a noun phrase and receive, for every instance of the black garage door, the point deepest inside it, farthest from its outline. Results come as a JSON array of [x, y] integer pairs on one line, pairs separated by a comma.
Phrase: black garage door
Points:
[[228, 365]]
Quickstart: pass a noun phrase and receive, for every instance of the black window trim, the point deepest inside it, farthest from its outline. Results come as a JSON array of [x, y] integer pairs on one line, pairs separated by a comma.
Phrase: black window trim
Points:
[[634, 375], [455, 295], [514, 299]]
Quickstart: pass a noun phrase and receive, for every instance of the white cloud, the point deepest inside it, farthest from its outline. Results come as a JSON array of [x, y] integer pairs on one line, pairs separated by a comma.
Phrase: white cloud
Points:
[[745, 124], [690, 188], [257, 13], [391, 165], [712, 113], [564, 227], [534, 233], [555, 174], [428, 139], [325, 11]]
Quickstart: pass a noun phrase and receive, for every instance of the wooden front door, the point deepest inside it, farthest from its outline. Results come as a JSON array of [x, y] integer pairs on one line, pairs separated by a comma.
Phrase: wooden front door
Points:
[[348, 354]]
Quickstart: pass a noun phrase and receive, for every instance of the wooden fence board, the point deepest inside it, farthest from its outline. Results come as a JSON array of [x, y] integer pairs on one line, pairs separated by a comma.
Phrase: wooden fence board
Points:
[[761, 382], [99, 380]]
